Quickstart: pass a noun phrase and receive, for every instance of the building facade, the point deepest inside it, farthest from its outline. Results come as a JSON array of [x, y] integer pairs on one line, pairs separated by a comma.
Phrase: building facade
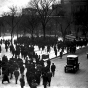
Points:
[[79, 6], [29, 11]]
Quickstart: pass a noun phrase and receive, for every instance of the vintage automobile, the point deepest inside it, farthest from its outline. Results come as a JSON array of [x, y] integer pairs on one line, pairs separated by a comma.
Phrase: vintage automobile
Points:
[[72, 64]]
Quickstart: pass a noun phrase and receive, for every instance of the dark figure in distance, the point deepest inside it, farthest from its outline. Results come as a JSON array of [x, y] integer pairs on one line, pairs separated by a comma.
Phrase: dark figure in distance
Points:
[[48, 62], [22, 82], [16, 74], [61, 54], [53, 67], [45, 80], [49, 75]]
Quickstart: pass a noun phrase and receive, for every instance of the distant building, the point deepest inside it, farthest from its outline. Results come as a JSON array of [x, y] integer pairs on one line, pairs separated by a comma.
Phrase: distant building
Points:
[[58, 8], [62, 9], [29, 11], [79, 12], [79, 5]]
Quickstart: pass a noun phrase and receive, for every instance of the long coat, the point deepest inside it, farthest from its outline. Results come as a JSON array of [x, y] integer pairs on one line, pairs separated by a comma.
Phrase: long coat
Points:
[[45, 79], [16, 73], [22, 82], [53, 67], [5, 77], [49, 75]]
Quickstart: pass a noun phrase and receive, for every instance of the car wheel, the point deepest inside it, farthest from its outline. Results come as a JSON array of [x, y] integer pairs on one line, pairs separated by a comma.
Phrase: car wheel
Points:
[[65, 70], [74, 70], [78, 67]]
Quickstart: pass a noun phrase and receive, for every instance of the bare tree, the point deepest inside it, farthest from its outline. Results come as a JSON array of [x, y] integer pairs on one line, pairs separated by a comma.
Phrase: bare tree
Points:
[[31, 23], [1, 25], [50, 28], [11, 19], [44, 10], [65, 27], [64, 23]]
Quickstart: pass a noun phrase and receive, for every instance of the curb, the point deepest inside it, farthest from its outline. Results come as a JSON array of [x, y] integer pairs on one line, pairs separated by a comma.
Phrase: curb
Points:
[[63, 54]]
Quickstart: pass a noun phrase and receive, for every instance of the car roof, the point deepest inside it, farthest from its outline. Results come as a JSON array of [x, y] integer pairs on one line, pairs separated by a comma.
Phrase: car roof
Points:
[[73, 56]]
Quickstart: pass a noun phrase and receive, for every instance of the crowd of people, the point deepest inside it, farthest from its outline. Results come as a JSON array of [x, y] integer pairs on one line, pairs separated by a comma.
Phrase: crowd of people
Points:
[[29, 62]]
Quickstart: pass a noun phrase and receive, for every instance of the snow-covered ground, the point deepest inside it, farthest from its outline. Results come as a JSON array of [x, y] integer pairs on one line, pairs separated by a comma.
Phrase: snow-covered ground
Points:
[[36, 49], [61, 79]]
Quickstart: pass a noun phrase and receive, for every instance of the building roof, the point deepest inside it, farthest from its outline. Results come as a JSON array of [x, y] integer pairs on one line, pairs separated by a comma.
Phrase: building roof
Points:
[[73, 56]]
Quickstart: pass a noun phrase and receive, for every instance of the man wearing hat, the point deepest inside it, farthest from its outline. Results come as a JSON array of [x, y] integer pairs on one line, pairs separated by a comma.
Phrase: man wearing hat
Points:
[[34, 84]]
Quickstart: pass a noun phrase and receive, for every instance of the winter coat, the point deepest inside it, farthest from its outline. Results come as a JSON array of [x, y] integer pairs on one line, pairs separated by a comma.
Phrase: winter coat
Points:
[[21, 69], [53, 67], [34, 85], [5, 77], [45, 79], [22, 82], [49, 75], [16, 73]]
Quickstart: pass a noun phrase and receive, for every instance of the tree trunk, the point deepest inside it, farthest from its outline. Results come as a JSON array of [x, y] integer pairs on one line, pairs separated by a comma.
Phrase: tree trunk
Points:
[[84, 33], [12, 30], [56, 29], [44, 32], [32, 34], [11, 37], [17, 34], [17, 31], [0, 32], [32, 31], [64, 38]]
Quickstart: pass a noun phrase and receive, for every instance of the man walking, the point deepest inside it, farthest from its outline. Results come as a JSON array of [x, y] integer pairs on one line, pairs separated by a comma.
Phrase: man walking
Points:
[[34, 84], [53, 67], [22, 82], [49, 76], [16, 74], [45, 80]]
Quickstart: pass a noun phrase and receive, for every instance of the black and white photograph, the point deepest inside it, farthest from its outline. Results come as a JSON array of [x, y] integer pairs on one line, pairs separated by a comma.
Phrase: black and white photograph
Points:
[[43, 43]]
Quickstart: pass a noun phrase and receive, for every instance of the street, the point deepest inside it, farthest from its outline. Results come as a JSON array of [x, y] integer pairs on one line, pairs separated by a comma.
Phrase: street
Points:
[[72, 80], [61, 79]]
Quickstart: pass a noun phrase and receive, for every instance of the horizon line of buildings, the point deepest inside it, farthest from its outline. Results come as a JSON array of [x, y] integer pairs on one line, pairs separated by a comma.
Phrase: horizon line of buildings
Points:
[[68, 6]]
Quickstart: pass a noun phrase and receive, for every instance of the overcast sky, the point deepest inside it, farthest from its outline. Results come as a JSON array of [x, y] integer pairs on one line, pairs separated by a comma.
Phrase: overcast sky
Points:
[[4, 4]]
